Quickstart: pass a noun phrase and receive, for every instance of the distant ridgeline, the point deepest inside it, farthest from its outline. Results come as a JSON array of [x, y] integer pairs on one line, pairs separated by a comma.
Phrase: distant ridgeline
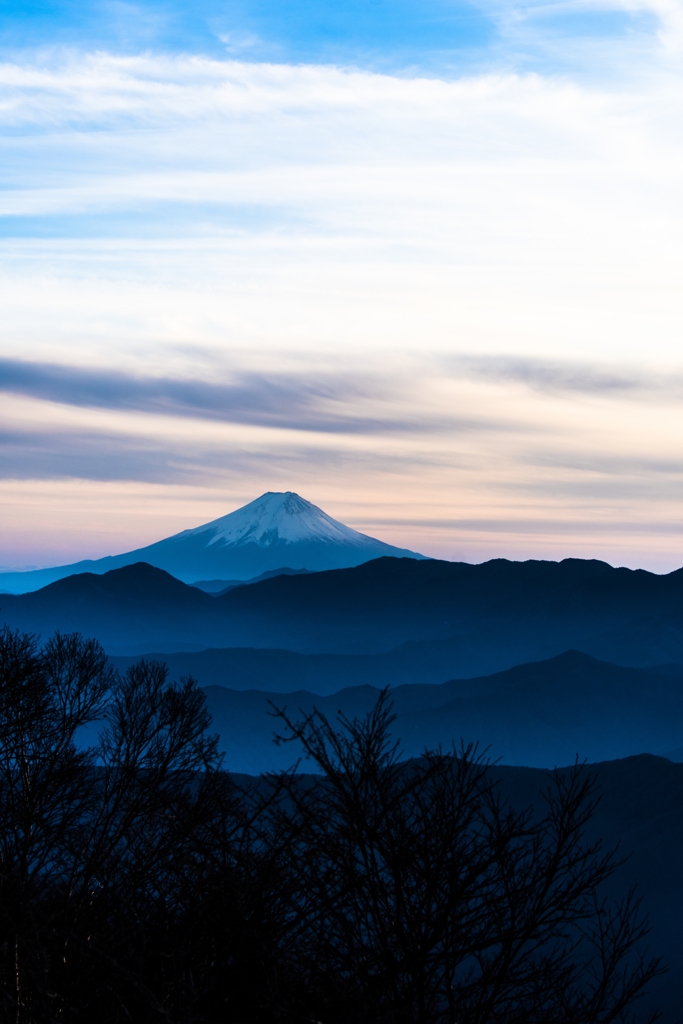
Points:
[[421, 620]]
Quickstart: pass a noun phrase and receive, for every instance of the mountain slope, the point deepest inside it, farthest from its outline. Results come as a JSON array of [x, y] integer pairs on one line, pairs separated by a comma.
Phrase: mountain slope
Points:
[[277, 529]]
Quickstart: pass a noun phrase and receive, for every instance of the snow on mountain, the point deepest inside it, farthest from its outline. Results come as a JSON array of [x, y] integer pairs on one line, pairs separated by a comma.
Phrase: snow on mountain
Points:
[[276, 530], [279, 516]]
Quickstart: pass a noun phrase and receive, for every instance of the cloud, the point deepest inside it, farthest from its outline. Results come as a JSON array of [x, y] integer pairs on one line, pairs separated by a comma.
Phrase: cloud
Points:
[[579, 377], [291, 401], [556, 526], [330, 402], [99, 456]]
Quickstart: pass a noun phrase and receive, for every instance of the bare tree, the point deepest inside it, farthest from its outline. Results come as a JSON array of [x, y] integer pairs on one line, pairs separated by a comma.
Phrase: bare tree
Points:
[[46, 697], [94, 840], [426, 898]]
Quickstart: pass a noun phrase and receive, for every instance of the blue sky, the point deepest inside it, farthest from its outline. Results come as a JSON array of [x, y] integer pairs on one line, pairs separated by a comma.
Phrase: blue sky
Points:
[[399, 36], [297, 31], [419, 262]]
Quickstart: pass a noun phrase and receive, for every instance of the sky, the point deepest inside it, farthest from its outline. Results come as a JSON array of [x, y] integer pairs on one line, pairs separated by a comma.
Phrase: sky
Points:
[[417, 260]]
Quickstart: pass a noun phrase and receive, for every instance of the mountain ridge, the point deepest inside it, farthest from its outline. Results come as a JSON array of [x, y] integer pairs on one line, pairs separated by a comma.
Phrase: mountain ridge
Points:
[[538, 714], [463, 620]]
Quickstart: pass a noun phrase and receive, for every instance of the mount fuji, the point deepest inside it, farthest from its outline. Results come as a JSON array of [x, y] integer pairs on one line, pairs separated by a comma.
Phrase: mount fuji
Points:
[[277, 530]]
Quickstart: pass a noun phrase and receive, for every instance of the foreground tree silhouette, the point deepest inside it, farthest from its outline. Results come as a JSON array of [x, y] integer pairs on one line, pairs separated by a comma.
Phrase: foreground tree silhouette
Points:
[[92, 839], [138, 882], [425, 898], [45, 797]]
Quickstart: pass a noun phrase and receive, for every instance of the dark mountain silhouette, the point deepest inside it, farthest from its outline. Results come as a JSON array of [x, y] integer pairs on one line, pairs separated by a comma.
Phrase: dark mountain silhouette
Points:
[[125, 606], [548, 605], [440, 619], [540, 714]]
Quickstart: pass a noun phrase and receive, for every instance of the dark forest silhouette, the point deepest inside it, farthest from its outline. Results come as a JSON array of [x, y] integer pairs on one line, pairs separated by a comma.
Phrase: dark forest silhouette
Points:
[[140, 882]]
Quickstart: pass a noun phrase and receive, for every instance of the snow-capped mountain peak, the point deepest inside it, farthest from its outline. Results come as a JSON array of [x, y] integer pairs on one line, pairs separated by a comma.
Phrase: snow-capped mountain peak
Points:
[[278, 517]]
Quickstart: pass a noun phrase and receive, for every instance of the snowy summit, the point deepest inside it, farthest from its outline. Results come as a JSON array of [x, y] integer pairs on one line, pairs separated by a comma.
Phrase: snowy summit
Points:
[[280, 517], [276, 530]]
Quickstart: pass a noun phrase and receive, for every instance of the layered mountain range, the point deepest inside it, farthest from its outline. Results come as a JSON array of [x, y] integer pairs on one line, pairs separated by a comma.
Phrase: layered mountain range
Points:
[[431, 620], [539, 714], [499, 631]]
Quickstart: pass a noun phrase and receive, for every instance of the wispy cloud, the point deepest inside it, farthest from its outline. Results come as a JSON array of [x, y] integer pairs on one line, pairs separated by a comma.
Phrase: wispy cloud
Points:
[[332, 401], [559, 527], [579, 376], [392, 35], [98, 455], [292, 401], [94, 456]]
